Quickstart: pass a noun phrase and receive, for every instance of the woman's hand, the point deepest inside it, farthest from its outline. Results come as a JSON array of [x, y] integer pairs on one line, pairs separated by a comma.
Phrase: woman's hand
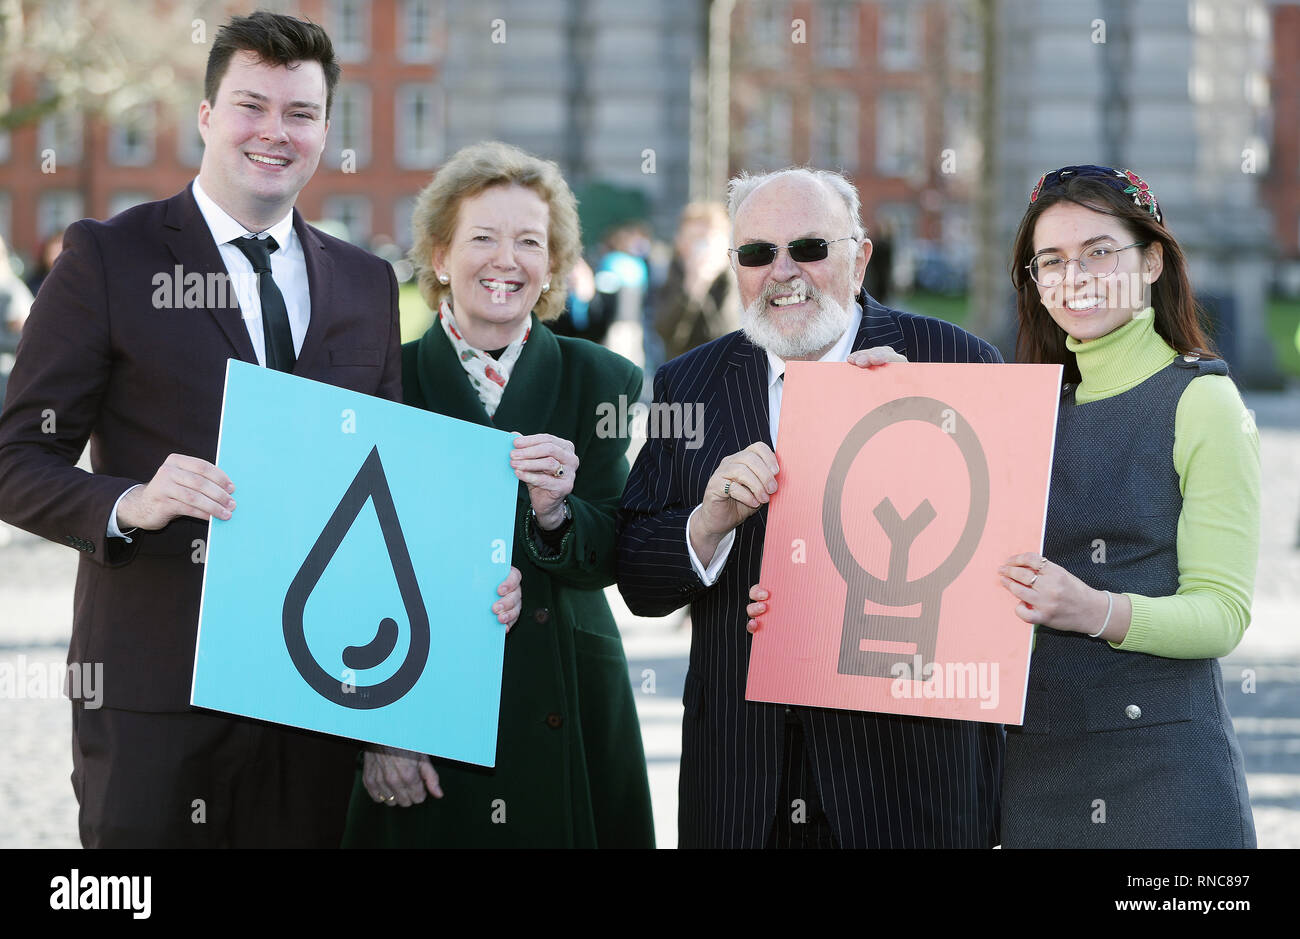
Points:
[[757, 608], [1052, 596], [512, 598], [546, 465], [398, 777]]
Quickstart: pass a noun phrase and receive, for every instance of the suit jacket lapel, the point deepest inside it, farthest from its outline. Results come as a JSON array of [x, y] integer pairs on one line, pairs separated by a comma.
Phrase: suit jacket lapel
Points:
[[529, 397], [191, 243], [443, 383], [320, 286], [879, 327], [745, 393]]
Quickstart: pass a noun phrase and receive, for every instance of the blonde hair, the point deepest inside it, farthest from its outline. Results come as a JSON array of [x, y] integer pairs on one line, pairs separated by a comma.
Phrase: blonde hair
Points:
[[469, 172]]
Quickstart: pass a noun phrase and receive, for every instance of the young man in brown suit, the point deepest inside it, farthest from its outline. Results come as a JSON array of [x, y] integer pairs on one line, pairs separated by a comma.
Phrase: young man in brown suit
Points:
[[127, 348]]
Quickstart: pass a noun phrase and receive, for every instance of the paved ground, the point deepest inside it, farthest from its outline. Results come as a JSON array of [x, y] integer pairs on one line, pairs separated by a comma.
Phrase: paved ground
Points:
[[1262, 677]]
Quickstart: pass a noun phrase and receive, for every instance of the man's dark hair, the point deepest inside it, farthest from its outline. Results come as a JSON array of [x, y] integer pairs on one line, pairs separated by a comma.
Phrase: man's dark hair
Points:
[[276, 40]]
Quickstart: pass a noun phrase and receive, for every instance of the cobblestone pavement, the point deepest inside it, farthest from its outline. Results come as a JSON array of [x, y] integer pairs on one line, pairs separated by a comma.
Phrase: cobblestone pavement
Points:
[[1261, 677]]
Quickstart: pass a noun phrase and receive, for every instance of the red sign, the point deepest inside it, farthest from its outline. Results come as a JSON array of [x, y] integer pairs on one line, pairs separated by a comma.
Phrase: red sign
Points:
[[901, 490]]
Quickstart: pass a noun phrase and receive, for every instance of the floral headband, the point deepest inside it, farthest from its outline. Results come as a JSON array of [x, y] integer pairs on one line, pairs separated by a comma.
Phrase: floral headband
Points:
[[1129, 183]]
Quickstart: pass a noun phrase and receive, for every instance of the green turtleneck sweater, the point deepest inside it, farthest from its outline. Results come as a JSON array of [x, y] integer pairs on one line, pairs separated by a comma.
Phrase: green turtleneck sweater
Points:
[[1216, 455]]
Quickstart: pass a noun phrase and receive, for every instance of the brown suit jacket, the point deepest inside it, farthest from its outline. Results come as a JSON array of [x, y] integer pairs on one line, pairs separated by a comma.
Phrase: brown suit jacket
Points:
[[110, 356]]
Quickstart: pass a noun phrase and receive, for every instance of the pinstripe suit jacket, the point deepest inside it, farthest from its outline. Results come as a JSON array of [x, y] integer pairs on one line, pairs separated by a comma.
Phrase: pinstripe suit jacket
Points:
[[884, 780]]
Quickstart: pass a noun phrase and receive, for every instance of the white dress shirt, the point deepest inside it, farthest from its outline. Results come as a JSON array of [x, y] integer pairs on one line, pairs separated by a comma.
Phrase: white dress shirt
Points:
[[775, 388], [288, 267]]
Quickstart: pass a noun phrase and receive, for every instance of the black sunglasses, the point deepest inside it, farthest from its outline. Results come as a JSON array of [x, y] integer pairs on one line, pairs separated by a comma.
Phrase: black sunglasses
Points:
[[802, 250]]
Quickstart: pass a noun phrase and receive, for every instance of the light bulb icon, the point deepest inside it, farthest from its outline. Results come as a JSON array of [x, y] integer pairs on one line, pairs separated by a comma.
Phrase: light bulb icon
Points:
[[893, 639]]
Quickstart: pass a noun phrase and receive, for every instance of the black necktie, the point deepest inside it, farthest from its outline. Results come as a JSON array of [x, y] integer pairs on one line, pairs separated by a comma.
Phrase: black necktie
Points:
[[275, 316]]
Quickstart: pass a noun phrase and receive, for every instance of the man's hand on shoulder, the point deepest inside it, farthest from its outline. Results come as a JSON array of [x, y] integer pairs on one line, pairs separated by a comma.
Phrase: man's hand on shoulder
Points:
[[183, 485], [878, 355]]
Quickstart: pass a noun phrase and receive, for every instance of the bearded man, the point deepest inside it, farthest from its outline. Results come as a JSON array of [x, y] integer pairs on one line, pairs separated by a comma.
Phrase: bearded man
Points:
[[691, 529]]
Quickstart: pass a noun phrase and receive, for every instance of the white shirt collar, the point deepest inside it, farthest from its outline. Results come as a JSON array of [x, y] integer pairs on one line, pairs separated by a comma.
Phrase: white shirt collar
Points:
[[837, 353], [225, 228]]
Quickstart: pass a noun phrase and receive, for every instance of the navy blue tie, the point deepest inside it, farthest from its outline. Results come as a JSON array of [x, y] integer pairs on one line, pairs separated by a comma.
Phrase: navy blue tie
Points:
[[275, 316]]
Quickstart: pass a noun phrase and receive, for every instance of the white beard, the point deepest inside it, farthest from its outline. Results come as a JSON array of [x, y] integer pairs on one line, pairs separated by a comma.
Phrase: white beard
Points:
[[816, 334]]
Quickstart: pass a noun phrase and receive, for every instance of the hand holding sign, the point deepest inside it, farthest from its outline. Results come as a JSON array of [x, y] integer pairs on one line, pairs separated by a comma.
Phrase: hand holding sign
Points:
[[183, 485], [742, 483], [396, 777]]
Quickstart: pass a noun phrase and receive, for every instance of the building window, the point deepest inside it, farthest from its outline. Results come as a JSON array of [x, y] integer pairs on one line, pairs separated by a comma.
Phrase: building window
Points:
[[403, 211], [420, 30], [899, 134], [419, 126], [55, 211], [131, 138], [6, 220], [351, 31], [189, 142], [61, 133], [900, 36], [964, 36], [353, 213], [119, 202], [959, 130], [349, 134], [769, 32], [767, 133], [837, 31], [835, 130]]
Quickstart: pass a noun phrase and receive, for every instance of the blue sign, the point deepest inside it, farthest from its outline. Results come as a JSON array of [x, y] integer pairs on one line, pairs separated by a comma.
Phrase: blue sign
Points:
[[351, 590]]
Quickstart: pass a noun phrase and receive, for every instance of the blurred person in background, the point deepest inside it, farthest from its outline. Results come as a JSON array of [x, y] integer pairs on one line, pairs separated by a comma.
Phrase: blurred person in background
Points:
[[878, 281], [15, 297], [698, 301], [50, 250], [587, 312], [623, 275]]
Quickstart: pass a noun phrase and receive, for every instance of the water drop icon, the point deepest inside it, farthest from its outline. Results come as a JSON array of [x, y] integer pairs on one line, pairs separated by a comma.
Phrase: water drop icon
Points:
[[371, 484]]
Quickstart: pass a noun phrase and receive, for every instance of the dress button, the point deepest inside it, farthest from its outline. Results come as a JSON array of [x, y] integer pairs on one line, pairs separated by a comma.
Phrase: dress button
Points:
[[1191, 358], [541, 614], [554, 720], [1132, 712]]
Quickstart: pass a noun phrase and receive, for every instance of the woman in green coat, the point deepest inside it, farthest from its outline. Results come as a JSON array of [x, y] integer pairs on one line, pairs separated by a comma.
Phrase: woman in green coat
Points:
[[496, 234]]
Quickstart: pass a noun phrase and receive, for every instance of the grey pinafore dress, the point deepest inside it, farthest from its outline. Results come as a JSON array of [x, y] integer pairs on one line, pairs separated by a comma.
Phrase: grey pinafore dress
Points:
[[1122, 749]]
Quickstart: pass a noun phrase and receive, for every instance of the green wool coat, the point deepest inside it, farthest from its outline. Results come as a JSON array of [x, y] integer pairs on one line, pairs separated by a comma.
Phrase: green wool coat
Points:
[[570, 768]]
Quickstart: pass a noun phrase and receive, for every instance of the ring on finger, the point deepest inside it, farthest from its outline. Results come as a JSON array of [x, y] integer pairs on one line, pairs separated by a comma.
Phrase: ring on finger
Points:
[[559, 469], [1034, 580], [726, 489]]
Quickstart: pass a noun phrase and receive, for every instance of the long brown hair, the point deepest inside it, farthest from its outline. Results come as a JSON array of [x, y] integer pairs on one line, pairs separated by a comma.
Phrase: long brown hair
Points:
[[1177, 316]]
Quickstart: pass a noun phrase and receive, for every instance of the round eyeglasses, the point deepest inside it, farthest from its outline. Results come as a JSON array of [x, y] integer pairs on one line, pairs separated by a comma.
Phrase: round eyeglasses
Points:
[[802, 250], [1100, 260]]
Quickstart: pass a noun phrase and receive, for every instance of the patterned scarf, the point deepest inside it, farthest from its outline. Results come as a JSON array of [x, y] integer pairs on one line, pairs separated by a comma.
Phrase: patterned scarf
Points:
[[487, 375]]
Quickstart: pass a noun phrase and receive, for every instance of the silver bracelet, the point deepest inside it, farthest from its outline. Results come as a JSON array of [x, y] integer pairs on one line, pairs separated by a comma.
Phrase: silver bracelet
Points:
[[1110, 607]]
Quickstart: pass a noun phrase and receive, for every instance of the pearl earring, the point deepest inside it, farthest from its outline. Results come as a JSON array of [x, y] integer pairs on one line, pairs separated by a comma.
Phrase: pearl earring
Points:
[[546, 286], [444, 279]]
